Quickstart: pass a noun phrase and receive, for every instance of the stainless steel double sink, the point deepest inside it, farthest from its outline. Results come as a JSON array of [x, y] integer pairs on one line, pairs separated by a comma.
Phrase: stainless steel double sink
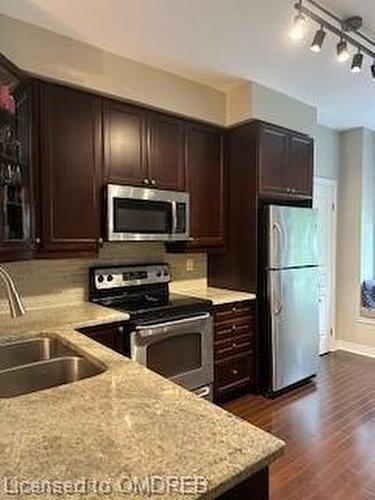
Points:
[[41, 362]]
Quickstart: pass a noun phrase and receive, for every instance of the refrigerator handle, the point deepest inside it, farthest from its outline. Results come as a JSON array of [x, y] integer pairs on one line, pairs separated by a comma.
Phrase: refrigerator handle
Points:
[[278, 299], [278, 240]]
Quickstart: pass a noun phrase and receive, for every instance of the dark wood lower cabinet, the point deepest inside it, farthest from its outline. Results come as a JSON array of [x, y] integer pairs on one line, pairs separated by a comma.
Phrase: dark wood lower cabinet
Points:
[[114, 335], [254, 488], [234, 348]]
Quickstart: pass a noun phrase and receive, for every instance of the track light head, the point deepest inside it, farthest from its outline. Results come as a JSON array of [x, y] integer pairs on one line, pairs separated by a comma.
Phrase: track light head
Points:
[[342, 51], [318, 40], [298, 28], [357, 62]]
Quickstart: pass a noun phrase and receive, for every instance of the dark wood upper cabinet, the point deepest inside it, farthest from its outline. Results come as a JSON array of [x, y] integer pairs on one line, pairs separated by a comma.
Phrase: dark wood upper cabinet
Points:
[[143, 148], [301, 165], [205, 183], [16, 200], [70, 169], [273, 151], [285, 161], [125, 144], [166, 152]]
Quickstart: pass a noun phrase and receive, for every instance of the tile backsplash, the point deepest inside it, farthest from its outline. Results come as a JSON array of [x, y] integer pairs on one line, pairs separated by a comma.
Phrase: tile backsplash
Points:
[[46, 283]]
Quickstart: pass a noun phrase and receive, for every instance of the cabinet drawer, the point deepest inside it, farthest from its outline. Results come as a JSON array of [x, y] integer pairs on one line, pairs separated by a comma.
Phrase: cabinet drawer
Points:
[[234, 329], [233, 372], [230, 312], [233, 346]]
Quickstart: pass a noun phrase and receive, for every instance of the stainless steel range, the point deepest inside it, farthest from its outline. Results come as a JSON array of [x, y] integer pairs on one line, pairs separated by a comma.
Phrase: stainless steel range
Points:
[[169, 333]]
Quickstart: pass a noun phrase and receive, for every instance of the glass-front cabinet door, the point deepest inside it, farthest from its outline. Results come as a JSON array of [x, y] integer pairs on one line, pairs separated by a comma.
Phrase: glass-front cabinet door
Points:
[[15, 163]]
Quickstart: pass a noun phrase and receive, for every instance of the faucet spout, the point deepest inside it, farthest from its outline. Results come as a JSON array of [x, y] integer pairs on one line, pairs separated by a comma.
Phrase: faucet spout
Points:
[[15, 302]]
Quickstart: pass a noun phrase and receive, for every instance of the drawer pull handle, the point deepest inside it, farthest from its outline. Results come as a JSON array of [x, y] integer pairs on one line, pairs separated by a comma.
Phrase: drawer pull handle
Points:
[[234, 371]]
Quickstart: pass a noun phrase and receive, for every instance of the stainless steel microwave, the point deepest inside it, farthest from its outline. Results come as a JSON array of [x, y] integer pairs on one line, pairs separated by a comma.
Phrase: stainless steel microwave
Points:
[[143, 214]]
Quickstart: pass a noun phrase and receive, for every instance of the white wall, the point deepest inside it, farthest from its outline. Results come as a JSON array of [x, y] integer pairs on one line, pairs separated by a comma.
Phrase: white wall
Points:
[[327, 152], [54, 56], [350, 327]]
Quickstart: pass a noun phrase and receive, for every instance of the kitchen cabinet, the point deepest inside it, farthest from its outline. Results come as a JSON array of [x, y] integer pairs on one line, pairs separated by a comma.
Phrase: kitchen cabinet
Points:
[[166, 152], [125, 144], [17, 211], [143, 148], [113, 335], [70, 175], [205, 183], [234, 348], [285, 162]]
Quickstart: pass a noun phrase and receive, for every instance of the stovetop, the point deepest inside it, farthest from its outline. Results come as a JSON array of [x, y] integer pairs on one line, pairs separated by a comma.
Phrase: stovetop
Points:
[[142, 291], [149, 308]]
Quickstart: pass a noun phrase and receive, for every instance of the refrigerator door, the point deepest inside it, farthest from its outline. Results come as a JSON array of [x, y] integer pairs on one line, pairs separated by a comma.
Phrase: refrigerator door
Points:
[[292, 237], [294, 308]]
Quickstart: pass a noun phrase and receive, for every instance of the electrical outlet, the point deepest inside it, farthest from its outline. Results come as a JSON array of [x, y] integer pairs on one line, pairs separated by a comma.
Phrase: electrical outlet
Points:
[[189, 265]]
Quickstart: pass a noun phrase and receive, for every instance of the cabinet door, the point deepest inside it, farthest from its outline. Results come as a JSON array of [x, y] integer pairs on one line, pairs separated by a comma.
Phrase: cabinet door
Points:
[[273, 150], [205, 183], [166, 152], [70, 174], [125, 143], [301, 165], [115, 336]]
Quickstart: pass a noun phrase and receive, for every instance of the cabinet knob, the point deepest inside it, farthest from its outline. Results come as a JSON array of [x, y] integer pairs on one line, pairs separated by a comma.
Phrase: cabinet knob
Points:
[[153, 182], [120, 329], [37, 241], [234, 345], [234, 328], [234, 309], [101, 241], [234, 371], [146, 182]]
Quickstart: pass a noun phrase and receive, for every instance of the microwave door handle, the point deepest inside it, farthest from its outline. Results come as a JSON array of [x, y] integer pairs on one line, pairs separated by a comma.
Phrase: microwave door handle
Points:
[[174, 217]]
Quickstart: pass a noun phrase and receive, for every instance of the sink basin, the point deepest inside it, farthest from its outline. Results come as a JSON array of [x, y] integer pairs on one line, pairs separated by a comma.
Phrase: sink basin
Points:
[[23, 352], [46, 374]]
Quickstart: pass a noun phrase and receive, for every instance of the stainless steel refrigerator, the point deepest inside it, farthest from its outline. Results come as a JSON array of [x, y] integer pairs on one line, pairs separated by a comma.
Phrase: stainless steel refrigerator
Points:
[[292, 294]]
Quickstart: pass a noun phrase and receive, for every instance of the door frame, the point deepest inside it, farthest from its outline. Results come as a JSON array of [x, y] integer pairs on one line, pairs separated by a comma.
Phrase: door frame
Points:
[[332, 183]]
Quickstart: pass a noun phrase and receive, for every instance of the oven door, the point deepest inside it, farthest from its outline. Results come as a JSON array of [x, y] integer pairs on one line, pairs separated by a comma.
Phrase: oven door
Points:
[[180, 350], [137, 214]]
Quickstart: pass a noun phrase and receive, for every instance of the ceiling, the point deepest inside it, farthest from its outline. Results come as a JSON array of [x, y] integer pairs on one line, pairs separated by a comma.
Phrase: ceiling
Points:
[[220, 42]]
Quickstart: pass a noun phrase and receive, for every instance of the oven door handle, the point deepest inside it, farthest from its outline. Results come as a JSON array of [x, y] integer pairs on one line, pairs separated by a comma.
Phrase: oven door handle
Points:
[[150, 330]]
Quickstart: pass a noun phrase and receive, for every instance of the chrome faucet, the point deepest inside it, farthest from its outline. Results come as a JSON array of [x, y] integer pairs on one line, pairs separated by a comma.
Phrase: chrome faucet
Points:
[[15, 303]]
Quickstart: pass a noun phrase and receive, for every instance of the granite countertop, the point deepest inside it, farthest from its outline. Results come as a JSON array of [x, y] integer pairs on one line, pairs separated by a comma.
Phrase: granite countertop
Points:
[[125, 422], [198, 288]]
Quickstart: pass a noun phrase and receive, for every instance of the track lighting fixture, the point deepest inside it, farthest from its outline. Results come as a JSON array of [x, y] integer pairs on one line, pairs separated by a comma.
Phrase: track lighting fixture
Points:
[[348, 31], [342, 51], [298, 28], [318, 40], [357, 63]]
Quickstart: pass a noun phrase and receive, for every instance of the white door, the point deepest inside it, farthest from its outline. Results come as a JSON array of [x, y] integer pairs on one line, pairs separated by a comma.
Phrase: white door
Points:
[[325, 194]]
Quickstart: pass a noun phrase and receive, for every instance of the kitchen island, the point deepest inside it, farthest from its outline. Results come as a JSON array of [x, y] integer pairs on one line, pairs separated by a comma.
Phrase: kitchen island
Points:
[[125, 432]]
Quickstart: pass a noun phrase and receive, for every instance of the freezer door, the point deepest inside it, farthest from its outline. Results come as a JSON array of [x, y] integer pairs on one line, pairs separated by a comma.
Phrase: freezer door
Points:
[[294, 310], [292, 235]]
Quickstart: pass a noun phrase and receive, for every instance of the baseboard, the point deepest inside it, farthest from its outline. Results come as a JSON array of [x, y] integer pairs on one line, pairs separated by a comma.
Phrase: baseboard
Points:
[[363, 350]]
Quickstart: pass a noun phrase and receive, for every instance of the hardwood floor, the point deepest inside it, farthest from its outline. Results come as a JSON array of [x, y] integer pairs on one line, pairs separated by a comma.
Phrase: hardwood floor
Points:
[[329, 428]]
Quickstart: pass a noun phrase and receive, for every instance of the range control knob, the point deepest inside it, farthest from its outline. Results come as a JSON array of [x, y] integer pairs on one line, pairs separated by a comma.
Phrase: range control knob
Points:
[[166, 273], [158, 274], [100, 278], [109, 277]]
